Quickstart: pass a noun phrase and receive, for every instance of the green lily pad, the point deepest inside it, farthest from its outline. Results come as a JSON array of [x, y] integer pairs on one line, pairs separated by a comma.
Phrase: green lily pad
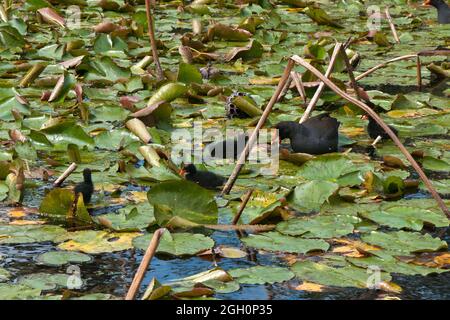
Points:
[[131, 218], [44, 281], [319, 226], [311, 195], [4, 275], [274, 241], [60, 202], [348, 276], [261, 275], [404, 242], [185, 200], [59, 258], [12, 234], [18, 292], [407, 217], [392, 265], [177, 244]]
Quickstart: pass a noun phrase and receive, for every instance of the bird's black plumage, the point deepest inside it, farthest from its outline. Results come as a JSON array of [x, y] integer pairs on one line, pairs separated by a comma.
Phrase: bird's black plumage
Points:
[[442, 8], [86, 188], [229, 148], [206, 179], [374, 130], [317, 135]]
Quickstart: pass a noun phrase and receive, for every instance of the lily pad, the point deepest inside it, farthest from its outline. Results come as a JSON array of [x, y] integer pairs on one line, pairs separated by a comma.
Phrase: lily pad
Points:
[[348, 276], [185, 200], [404, 242], [94, 242], [407, 217], [311, 195], [319, 227], [261, 275], [177, 244], [392, 265], [59, 258], [18, 292], [13, 234], [131, 218], [274, 241], [44, 281]]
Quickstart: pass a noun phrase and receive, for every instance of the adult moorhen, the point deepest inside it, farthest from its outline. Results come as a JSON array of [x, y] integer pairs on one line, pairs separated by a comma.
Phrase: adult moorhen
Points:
[[317, 135], [229, 148], [86, 188], [442, 8], [206, 179], [374, 129]]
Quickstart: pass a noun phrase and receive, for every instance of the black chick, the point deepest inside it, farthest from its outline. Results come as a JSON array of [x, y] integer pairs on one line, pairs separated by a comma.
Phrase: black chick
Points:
[[86, 188], [317, 135], [442, 8], [206, 179], [374, 130]]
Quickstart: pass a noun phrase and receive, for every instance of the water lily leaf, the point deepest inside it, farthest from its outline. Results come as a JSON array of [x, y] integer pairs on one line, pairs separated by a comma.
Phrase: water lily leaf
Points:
[[320, 16], [105, 42], [61, 202], [188, 73], [177, 244], [62, 132], [104, 69], [12, 234], [3, 191], [168, 93], [221, 286], [44, 281], [311, 195], [8, 102], [94, 242], [4, 275], [261, 275], [431, 163], [131, 218], [326, 167], [252, 50], [59, 258], [407, 217], [348, 276], [18, 292], [274, 241], [155, 290], [183, 199], [10, 37], [225, 32], [392, 265], [404, 242], [319, 226]]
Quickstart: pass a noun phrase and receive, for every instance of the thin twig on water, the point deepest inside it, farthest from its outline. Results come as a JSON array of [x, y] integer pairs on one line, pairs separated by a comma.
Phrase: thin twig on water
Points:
[[140, 273], [242, 207], [315, 98], [419, 73], [299, 85], [151, 34], [385, 127], [65, 174], [392, 25]]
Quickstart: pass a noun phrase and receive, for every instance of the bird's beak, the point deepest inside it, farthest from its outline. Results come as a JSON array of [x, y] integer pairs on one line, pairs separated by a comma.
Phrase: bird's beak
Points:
[[427, 3], [182, 172], [364, 117]]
